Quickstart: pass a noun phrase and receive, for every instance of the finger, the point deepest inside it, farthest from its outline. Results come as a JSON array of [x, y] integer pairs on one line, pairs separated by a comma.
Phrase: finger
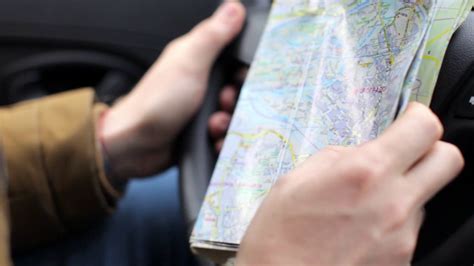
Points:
[[435, 170], [218, 124], [408, 139], [218, 145], [228, 98], [241, 75], [208, 38]]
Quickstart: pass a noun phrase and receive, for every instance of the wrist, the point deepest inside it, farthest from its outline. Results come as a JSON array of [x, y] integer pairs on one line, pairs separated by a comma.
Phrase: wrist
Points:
[[130, 148], [111, 147]]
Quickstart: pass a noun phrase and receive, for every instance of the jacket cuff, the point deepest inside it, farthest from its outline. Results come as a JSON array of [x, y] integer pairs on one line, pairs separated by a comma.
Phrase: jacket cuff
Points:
[[53, 164], [4, 217]]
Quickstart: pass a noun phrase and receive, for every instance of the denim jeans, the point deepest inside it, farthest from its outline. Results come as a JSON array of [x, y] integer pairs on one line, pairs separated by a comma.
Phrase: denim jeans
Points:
[[147, 229]]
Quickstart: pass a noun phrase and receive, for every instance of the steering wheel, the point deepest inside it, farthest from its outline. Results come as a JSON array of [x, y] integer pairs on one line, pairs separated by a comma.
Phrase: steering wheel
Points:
[[37, 75], [447, 237]]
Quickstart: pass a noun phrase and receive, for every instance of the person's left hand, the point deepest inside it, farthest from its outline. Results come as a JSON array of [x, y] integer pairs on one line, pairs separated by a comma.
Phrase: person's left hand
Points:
[[219, 122], [138, 133]]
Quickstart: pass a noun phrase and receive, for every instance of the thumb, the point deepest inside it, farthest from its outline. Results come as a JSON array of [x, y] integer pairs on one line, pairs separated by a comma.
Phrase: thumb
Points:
[[203, 44]]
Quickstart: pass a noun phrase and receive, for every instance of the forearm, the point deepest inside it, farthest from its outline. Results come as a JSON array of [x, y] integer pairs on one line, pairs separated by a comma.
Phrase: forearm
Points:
[[54, 166]]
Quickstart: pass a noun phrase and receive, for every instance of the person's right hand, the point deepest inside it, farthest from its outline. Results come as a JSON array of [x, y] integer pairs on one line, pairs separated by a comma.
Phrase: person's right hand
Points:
[[355, 206]]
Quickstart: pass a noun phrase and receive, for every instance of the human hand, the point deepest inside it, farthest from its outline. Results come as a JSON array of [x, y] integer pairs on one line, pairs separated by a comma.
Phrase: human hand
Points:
[[139, 131], [355, 206], [219, 122]]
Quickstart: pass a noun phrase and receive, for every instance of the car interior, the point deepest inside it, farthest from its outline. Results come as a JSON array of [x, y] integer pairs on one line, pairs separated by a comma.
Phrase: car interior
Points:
[[52, 46]]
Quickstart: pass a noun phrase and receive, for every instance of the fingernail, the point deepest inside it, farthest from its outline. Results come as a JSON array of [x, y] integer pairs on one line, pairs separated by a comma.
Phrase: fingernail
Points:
[[227, 12]]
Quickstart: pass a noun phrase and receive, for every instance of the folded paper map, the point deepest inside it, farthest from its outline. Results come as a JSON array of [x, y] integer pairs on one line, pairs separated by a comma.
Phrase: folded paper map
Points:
[[331, 72]]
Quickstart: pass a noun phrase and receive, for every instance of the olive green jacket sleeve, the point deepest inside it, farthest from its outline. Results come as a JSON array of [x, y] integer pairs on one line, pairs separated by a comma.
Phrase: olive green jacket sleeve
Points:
[[56, 179], [4, 229]]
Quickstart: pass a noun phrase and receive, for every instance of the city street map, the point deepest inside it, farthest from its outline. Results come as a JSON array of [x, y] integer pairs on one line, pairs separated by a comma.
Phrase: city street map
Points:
[[334, 72]]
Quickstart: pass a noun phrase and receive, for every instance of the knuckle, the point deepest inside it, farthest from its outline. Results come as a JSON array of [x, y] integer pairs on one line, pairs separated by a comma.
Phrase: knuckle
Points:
[[397, 213], [456, 158], [428, 121], [205, 34], [377, 157], [370, 164], [175, 54], [175, 44], [411, 194], [407, 247], [362, 173]]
